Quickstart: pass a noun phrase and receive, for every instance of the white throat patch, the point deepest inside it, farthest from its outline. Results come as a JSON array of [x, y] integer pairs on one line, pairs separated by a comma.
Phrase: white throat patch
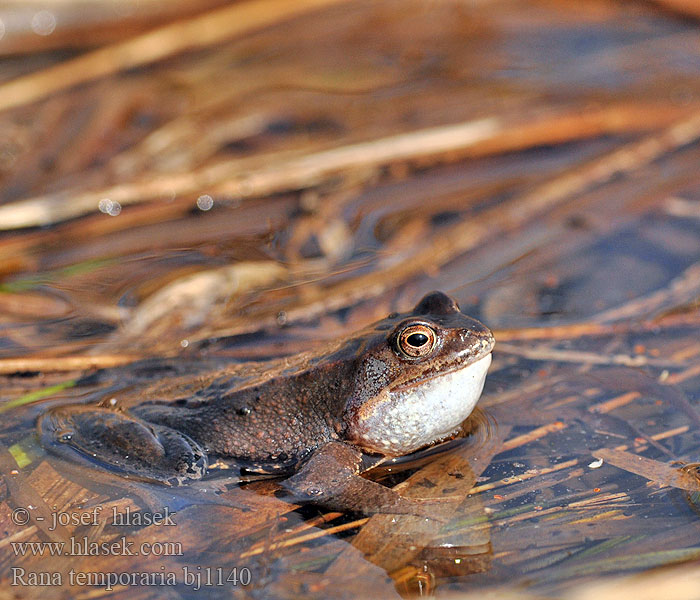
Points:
[[416, 416]]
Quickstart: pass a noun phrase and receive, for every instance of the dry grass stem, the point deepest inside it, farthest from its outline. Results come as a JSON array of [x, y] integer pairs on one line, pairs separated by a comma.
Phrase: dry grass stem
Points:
[[59, 364], [241, 179], [198, 32]]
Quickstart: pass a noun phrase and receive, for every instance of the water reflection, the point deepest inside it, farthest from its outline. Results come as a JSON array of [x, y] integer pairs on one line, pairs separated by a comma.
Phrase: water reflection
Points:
[[276, 190]]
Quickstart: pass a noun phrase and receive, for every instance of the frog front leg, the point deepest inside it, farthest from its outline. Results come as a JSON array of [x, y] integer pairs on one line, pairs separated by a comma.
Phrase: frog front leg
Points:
[[331, 477]]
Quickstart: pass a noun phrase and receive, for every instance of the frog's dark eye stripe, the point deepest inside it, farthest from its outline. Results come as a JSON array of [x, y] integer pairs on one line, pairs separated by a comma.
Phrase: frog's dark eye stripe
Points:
[[416, 340]]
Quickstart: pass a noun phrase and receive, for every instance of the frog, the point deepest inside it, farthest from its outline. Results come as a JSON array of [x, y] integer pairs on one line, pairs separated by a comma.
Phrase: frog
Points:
[[403, 383]]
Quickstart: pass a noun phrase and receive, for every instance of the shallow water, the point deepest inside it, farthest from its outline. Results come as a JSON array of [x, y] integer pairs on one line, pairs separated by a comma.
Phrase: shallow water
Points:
[[569, 224]]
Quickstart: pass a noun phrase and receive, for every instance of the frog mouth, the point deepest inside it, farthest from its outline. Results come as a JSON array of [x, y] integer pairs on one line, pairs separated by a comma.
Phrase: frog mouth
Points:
[[469, 364]]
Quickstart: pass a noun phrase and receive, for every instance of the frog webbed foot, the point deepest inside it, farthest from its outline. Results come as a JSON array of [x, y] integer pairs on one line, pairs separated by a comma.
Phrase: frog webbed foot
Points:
[[331, 477], [122, 443]]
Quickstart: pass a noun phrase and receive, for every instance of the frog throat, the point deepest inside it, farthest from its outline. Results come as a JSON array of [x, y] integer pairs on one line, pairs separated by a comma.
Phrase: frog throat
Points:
[[411, 417]]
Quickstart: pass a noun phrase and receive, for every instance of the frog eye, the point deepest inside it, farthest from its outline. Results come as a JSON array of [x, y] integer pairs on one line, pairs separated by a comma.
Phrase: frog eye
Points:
[[416, 340]]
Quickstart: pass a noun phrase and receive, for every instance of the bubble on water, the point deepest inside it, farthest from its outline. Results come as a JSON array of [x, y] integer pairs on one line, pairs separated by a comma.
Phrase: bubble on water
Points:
[[184, 343], [109, 207], [65, 436], [43, 22], [112, 401], [205, 202]]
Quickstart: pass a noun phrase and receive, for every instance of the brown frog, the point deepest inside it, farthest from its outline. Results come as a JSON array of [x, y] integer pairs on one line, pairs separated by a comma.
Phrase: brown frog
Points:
[[405, 382]]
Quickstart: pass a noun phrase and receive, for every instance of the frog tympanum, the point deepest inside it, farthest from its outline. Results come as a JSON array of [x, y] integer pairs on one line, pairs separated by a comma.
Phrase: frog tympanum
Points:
[[403, 383]]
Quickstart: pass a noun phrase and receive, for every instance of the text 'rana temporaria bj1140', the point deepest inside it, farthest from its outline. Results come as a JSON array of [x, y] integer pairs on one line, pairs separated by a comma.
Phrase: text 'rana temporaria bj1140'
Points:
[[403, 383]]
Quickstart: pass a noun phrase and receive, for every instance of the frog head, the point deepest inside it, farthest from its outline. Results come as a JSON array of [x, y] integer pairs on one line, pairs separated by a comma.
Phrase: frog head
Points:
[[420, 377]]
